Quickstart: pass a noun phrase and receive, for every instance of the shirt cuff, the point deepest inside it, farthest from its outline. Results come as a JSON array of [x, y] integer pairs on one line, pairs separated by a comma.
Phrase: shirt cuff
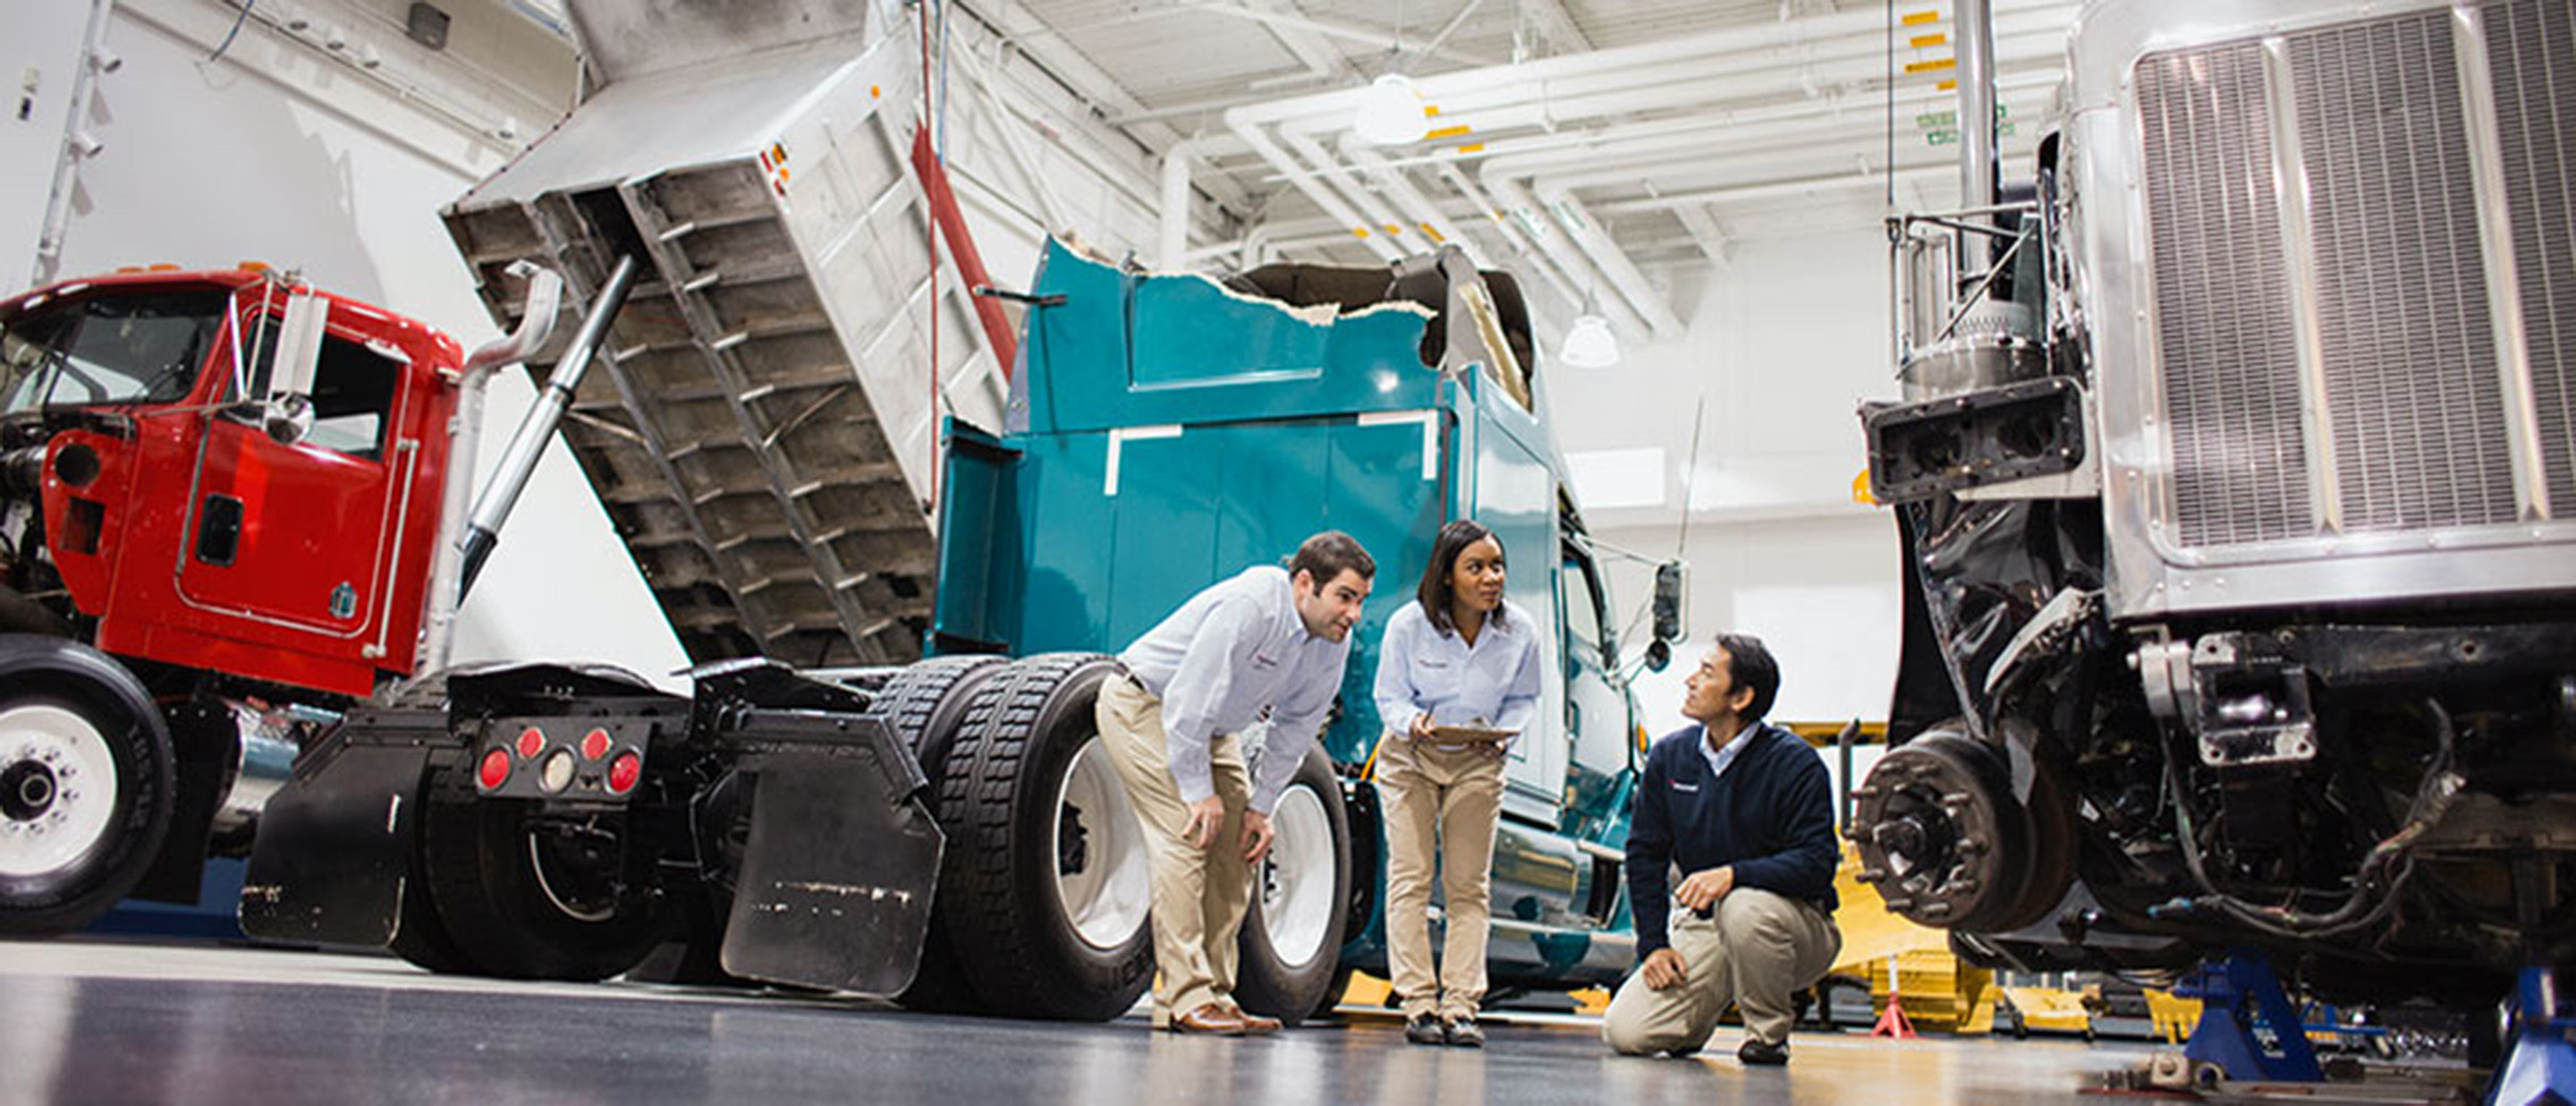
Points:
[[1196, 781]]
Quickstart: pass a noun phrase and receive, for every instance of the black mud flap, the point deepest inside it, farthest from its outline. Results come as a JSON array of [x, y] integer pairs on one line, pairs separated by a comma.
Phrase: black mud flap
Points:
[[843, 858], [334, 845]]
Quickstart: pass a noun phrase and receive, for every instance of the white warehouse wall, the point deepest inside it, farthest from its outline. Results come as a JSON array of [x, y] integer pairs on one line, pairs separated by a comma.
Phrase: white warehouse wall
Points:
[[1784, 337]]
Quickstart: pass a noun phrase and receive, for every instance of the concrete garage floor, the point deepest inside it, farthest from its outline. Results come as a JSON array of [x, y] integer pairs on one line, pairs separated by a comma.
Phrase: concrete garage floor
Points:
[[99, 1022]]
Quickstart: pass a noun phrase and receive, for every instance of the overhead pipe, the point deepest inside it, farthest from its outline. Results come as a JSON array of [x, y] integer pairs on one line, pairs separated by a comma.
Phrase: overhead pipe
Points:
[[1512, 234], [1553, 241], [1642, 66], [2034, 36], [1174, 241], [1384, 218], [1716, 155], [1250, 131], [1927, 170], [1426, 216], [1587, 235], [1638, 144]]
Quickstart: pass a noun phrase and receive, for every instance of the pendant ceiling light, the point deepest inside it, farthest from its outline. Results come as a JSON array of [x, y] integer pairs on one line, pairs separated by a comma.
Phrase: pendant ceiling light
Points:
[[1590, 344], [1390, 112]]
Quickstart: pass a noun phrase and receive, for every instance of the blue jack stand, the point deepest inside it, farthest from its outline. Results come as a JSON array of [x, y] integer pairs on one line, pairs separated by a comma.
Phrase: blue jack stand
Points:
[[2540, 1058], [2236, 994]]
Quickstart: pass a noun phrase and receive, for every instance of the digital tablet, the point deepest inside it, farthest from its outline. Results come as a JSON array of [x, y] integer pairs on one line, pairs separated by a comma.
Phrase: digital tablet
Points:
[[1455, 734]]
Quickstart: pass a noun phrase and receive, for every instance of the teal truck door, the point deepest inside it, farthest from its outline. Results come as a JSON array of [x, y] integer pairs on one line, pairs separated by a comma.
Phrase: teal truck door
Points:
[[1515, 495]]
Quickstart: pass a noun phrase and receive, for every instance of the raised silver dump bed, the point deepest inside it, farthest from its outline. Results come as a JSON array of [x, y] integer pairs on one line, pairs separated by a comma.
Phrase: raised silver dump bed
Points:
[[759, 423]]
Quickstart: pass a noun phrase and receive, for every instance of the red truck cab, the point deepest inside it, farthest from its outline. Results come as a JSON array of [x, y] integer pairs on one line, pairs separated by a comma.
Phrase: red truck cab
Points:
[[177, 529]]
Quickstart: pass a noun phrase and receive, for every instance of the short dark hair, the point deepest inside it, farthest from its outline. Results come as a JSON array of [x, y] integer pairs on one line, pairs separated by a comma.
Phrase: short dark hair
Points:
[[1749, 664], [1329, 554], [1435, 593]]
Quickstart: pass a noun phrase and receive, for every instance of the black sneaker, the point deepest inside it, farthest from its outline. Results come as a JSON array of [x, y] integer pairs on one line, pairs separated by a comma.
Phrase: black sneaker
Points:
[[1759, 1052], [1464, 1033], [1425, 1029]]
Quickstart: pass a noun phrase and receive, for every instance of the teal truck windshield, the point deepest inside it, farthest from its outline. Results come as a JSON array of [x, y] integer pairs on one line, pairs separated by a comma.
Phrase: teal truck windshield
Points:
[[139, 348]]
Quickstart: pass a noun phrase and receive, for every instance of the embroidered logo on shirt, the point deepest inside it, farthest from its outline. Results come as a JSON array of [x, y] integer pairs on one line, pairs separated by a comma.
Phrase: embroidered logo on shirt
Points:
[[1680, 786], [1263, 661]]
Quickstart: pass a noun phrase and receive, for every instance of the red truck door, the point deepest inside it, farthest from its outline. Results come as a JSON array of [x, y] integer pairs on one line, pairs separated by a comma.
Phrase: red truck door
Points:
[[302, 535]]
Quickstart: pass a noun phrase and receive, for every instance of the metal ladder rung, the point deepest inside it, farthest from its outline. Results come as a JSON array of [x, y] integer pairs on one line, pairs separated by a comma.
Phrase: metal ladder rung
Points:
[[704, 496], [844, 477], [737, 541]]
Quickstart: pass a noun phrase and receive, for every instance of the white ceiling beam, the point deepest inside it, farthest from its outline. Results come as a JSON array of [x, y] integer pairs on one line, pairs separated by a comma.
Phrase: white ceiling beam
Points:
[[1553, 23], [1382, 38], [1707, 233]]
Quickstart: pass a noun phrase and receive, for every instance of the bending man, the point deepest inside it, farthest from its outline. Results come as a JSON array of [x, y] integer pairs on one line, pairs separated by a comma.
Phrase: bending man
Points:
[[1268, 641]]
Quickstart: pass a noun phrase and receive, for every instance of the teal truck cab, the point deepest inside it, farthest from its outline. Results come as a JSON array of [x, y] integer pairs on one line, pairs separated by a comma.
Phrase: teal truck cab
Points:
[[859, 828]]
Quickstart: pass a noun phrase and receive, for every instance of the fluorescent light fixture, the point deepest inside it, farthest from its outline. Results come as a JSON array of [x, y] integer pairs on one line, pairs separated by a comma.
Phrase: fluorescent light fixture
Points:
[[1390, 112], [1590, 345]]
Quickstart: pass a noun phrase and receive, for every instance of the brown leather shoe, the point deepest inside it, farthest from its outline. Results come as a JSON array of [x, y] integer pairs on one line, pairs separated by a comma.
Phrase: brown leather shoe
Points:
[[1254, 1025], [1213, 1018]]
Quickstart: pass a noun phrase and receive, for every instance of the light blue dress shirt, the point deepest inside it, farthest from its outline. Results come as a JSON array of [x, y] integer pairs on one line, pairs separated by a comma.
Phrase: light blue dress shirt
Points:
[[1423, 670], [1232, 652]]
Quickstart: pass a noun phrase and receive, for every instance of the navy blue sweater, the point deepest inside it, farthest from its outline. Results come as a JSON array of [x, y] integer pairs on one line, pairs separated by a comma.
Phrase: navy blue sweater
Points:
[[1771, 816]]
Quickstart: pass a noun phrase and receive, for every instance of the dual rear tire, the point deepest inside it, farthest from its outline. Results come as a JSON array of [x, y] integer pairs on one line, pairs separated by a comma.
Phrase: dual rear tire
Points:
[[1047, 877]]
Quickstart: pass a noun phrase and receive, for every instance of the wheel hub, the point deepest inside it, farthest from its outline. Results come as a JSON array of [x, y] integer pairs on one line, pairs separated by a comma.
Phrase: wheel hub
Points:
[[58, 789], [1073, 842], [1297, 878], [1099, 851], [1940, 833], [27, 790]]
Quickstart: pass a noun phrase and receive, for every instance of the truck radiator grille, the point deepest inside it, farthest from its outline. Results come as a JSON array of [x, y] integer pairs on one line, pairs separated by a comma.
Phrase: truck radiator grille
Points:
[[2330, 364], [2222, 299], [2532, 47], [2408, 339]]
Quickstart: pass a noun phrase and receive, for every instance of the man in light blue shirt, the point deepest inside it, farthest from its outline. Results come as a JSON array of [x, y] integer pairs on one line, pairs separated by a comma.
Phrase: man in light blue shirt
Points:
[[1268, 641]]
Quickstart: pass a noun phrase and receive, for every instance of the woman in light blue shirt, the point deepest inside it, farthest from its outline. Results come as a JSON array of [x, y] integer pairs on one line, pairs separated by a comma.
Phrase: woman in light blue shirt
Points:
[[1462, 659]]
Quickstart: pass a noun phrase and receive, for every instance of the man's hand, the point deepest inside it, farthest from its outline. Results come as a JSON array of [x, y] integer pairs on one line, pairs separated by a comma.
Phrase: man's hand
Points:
[[1701, 890], [1257, 836], [1206, 817], [1422, 726], [1664, 969]]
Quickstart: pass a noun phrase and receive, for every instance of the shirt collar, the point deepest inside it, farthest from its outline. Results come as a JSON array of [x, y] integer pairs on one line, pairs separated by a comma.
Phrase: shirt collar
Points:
[[1722, 756]]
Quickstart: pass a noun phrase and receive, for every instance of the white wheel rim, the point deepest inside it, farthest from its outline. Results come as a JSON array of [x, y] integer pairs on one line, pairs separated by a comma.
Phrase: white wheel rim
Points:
[[1107, 896], [65, 779], [1297, 878]]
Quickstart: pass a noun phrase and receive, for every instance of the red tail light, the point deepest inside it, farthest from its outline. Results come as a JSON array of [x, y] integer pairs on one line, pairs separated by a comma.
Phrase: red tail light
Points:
[[496, 769], [594, 745], [531, 742], [624, 772]]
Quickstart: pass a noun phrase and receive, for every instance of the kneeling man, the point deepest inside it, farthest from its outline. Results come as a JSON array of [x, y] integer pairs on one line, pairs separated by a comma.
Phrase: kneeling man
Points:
[[1744, 811]]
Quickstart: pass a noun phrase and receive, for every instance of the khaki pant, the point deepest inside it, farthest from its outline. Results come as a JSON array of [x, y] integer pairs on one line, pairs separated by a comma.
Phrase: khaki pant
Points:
[[1457, 794], [1758, 950], [1199, 896]]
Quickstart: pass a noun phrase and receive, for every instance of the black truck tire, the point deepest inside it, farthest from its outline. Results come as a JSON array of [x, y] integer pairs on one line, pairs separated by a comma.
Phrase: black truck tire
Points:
[[1016, 841], [489, 862], [88, 783], [924, 704], [1291, 944], [420, 933]]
